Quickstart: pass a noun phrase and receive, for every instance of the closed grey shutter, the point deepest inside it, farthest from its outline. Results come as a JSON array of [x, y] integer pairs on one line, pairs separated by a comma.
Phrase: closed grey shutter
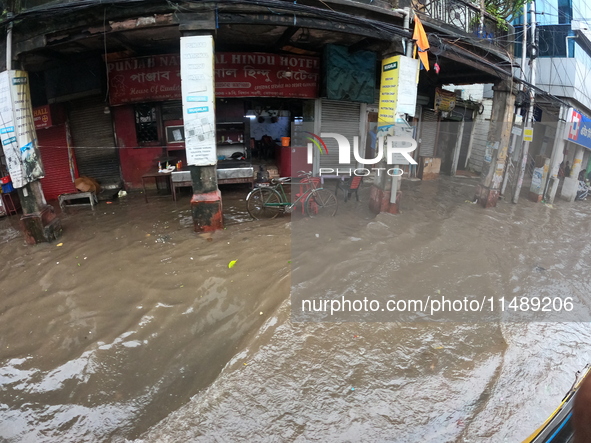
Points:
[[93, 141], [428, 133], [342, 118]]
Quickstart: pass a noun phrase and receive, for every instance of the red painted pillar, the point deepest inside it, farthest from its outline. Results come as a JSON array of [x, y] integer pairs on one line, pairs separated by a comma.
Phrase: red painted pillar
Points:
[[206, 203]]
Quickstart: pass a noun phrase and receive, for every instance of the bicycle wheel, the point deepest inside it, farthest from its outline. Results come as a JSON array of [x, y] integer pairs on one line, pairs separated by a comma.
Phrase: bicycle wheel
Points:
[[321, 203], [258, 200]]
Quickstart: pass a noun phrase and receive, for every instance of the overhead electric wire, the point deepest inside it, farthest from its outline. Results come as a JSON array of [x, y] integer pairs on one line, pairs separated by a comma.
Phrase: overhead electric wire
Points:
[[283, 7]]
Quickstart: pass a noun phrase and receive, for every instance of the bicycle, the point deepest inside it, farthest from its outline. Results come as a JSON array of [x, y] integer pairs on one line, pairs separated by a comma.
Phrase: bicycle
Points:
[[270, 201]]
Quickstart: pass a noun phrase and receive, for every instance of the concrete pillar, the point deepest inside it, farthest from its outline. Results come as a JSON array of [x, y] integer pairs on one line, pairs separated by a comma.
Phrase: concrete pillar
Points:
[[39, 221], [385, 194], [457, 149], [499, 135], [538, 181], [571, 183], [557, 155], [206, 203]]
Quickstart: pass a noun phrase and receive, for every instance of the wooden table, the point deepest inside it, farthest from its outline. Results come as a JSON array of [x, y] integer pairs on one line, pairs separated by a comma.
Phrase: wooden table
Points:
[[156, 176], [180, 184]]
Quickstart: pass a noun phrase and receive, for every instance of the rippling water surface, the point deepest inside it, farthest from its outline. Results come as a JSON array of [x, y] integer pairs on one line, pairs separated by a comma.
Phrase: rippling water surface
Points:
[[136, 328]]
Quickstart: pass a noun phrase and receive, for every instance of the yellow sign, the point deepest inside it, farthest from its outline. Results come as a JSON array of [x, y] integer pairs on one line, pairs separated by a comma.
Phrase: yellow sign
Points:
[[398, 89], [528, 134], [389, 90]]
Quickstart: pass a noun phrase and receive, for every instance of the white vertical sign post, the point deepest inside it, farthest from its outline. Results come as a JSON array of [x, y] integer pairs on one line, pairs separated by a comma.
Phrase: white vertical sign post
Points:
[[17, 129], [198, 90]]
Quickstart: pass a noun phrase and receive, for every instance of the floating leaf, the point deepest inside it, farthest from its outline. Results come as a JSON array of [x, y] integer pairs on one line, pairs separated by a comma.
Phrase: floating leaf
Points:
[[231, 264]]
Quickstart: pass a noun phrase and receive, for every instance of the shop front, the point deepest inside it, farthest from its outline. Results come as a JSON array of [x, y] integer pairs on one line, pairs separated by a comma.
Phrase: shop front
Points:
[[260, 99], [577, 143]]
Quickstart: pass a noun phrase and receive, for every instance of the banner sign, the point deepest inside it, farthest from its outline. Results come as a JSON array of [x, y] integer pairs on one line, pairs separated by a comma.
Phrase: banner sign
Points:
[[17, 129], [198, 99], [243, 74], [578, 129], [237, 74], [42, 117], [153, 78], [398, 89], [444, 100]]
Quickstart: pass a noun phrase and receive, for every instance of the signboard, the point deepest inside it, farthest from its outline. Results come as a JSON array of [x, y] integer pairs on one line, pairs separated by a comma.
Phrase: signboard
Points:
[[237, 74], [42, 117], [153, 78], [17, 130], [198, 98], [528, 134], [243, 74], [444, 100], [578, 129], [398, 88]]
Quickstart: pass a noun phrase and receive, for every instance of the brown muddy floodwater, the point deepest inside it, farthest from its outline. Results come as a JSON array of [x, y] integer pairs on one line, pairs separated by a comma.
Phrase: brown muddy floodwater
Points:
[[136, 329]]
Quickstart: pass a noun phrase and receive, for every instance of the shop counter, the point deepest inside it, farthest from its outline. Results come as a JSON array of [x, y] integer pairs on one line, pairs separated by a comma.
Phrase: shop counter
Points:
[[235, 171], [228, 171]]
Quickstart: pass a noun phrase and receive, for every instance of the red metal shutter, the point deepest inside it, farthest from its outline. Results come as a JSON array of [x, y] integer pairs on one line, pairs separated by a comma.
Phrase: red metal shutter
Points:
[[54, 154]]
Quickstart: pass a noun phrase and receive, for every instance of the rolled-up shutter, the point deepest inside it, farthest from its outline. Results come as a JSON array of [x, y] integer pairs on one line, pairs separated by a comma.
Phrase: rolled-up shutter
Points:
[[428, 133], [53, 148], [342, 118], [93, 141]]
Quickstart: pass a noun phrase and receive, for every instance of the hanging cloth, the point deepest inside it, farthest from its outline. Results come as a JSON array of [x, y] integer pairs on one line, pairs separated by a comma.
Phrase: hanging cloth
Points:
[[421, 43]]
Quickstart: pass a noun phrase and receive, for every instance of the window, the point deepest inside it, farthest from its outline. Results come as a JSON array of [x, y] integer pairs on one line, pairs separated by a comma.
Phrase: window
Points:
[[146, 123], [175, 134]]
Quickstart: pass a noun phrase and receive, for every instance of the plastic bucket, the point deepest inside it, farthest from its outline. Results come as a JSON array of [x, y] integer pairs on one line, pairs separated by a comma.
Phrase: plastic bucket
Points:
[[285, 141], [7, 187]]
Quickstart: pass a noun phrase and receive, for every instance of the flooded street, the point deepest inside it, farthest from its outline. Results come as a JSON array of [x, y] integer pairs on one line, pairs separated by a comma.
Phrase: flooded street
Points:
[[136, 329]]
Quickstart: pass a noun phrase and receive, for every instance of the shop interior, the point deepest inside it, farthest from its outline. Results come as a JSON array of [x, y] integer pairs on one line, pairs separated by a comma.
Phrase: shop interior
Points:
[[261, 132]]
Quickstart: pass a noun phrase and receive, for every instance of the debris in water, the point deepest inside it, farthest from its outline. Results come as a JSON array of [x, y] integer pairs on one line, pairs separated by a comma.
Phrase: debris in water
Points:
[[231, 264], [60, 244], [261, 313]]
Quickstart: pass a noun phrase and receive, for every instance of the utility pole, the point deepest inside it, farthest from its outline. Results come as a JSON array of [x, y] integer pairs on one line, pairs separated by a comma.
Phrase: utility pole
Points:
[[532, 80]]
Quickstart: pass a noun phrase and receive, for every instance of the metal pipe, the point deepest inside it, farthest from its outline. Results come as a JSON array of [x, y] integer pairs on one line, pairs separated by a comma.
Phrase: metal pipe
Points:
[[406, 24], [523, 46], [567, 38], [9, 42], [530, 114]]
